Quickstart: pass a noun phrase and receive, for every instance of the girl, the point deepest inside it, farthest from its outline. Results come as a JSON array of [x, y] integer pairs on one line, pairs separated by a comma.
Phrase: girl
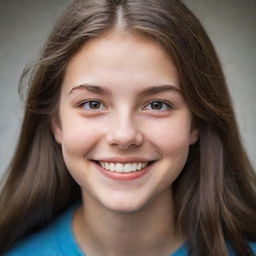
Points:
[[129, 144]]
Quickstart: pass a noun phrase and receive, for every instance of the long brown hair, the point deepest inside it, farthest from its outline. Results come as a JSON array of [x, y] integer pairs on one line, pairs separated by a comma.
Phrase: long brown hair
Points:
[[215, 197]]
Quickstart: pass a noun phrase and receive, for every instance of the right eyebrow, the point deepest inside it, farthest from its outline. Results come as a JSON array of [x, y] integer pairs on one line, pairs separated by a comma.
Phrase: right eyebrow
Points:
[[92, 88]]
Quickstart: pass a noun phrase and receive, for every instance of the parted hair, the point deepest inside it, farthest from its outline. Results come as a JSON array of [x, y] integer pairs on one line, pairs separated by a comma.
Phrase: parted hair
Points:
[[215, 194]]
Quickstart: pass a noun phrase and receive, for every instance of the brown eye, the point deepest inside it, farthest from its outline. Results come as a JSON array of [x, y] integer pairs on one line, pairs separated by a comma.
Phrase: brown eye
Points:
[[92, 105], [158, 105]]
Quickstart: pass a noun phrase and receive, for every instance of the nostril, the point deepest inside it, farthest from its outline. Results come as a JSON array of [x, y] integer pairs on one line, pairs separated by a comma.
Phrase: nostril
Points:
[[124, 138]]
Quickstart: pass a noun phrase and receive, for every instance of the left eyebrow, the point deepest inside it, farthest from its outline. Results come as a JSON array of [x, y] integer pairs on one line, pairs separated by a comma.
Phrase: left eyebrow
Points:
[[159, 89]]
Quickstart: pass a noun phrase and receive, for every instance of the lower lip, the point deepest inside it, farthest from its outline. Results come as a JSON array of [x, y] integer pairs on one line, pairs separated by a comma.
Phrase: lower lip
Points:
[[124, 176]]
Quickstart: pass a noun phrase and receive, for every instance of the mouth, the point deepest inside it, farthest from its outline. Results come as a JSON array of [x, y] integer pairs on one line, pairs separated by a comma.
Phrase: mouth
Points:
[[123, 167]]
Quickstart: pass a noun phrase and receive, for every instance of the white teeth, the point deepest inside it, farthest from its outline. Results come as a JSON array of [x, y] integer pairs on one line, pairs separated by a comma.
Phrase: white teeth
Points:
[[119, 167], [111, 167]]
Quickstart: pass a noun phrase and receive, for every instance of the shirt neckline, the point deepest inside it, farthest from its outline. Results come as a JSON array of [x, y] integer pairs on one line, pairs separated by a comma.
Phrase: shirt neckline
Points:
[[69, 246]]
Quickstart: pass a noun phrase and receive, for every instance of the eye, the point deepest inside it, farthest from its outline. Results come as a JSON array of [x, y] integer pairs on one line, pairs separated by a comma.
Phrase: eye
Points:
[[158, 105], [92, 105]]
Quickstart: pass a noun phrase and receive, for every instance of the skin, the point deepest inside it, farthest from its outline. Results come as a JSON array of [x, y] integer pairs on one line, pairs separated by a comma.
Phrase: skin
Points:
[[124, 217]]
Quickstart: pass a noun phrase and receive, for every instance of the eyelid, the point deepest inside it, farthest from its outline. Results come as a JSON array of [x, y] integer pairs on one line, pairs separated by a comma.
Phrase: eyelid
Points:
[[81, 103], [168, 103]]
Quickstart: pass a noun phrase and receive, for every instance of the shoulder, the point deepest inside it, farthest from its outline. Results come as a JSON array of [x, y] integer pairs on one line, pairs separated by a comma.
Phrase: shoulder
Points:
[[185, 248], [251, 244], [52, 240], [37, 244], [253, 247]]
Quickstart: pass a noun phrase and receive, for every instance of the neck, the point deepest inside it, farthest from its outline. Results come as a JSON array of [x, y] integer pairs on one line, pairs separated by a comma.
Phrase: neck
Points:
[[149, 231]]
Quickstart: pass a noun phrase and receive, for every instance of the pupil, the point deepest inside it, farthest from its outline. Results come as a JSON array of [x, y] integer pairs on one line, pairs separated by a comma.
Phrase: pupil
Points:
[[156, 105], [94, 104]]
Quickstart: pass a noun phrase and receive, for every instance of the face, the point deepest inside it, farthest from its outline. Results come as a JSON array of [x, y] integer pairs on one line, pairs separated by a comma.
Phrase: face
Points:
[[125, 129]]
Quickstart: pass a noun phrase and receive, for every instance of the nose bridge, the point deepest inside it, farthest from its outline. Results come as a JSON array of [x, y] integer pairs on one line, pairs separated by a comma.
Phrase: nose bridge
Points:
[[124, 130]]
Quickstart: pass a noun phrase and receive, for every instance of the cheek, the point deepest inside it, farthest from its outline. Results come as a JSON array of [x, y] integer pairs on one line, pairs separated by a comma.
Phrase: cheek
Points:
[[78, 136], [171, 136]]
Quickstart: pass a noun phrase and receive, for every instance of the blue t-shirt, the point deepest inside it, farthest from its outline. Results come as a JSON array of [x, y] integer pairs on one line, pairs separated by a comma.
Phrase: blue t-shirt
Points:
[[57, 239]]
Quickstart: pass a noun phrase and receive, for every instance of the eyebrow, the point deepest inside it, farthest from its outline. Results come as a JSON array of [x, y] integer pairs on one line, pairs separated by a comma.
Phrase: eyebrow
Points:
[[146, 92], [159, 89], [92, 88]]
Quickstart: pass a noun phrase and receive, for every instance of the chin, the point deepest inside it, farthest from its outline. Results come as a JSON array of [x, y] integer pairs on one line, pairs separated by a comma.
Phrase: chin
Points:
[[124, 209], [123, 206]]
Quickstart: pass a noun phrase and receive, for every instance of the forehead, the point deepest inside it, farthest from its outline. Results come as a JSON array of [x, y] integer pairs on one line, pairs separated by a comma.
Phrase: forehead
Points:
[[121, 58]]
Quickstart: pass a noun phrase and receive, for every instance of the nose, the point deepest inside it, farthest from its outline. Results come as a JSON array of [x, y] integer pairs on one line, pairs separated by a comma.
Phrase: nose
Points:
[[124, 133]]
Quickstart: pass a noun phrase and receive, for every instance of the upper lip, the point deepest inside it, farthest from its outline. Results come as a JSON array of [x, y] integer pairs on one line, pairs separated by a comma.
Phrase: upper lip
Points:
[[124, 160]]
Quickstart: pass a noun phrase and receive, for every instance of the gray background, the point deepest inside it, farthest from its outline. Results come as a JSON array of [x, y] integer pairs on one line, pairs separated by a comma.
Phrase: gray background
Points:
[[25, 24]]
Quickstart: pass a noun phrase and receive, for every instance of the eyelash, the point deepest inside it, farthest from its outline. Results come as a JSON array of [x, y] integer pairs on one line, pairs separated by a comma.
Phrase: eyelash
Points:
[[81, 104], [168, 104]]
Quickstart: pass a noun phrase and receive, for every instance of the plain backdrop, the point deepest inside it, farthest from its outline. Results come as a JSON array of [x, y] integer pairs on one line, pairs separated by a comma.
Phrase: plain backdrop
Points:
[[25, 25]]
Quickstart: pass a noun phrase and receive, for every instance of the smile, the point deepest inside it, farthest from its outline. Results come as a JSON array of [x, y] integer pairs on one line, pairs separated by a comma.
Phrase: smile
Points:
[[124, 167]]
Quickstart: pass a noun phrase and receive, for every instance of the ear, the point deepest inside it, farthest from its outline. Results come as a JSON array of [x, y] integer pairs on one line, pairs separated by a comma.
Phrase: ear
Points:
[[56, 129], [194, 135]]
